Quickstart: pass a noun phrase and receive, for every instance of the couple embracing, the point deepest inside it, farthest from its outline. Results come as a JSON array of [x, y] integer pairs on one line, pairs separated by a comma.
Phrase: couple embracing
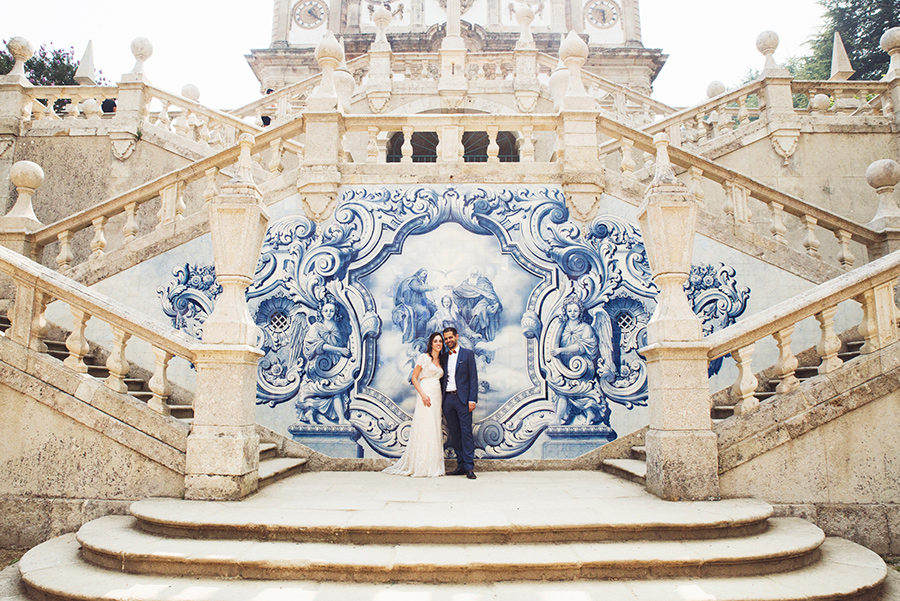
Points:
[[446, 381]]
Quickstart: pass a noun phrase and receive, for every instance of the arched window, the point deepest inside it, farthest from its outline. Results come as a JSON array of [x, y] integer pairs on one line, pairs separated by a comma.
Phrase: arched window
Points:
[[475, 144], [424, 147]]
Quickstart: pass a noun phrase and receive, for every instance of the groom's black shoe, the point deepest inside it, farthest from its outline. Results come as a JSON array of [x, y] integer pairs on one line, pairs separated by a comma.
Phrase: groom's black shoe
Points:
[[471, 475], [457, 472]]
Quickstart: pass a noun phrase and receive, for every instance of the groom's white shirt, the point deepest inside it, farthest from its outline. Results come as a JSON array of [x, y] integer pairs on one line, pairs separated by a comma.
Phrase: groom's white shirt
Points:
[[451, 369]]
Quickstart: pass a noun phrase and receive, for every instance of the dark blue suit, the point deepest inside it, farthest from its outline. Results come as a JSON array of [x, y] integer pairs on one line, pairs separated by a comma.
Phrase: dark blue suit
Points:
[[456, 406]]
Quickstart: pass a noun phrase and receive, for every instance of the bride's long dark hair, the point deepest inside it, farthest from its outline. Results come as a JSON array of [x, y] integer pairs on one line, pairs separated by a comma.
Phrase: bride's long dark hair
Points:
[[429, 350]]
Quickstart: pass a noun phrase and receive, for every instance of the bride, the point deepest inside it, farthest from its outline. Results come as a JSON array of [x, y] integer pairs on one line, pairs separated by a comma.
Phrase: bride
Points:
[[424, 454]]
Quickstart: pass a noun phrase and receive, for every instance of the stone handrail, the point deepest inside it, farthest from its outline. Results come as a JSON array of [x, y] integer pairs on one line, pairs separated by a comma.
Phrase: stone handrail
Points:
[[37, 286], [624, 101], [85, 101], [278, 102], [845, 97], [871, 285], [740, 188], [169, 188]]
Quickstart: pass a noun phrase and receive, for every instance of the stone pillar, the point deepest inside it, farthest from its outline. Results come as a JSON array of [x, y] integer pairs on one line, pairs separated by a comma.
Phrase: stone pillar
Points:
[[577, 137], [782, 122], [319, 180], [452, 85], [13, 109], [223, 447], [281, 23], [631, 22], [883, 175], [18, 226], [379, 86], [131, 109], [682, 455], [890, 43], [525, 82]]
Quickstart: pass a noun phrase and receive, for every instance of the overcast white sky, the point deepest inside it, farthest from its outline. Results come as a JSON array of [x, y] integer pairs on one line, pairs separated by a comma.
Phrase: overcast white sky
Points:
[[204, 41]]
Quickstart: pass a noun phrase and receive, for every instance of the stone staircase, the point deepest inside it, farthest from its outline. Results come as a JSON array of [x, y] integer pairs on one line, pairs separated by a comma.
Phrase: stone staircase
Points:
[[634, 467], [507, 536], [272, 467]]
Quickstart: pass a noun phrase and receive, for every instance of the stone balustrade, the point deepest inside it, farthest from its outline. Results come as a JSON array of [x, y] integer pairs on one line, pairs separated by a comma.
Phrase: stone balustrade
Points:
[[170, 190], [65, 103], [36, 287], [853, 98], [184, 116], [871, 286], [749, 203]]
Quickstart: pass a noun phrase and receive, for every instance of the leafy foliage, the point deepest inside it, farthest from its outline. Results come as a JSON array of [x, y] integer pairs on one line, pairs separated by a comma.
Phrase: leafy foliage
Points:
[[860, 23], [48, 67]]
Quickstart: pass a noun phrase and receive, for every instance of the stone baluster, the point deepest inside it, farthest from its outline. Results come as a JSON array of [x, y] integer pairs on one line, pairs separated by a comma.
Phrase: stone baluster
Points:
[[743, 114], [682, 457], [163, 119], [98, 242], [116, 363], [744, 387], [160, 387], [777, 228], [171, 204], [372, 145], [845, 256], [738, 196], [76, 343], [526, 149], [829, 344], [406, 149], [212, 187], [628, 163], [28, 318], [222, 459], [696, 188], [130, 227], [70, 111], [810, 241], [17, 227], [276, 156], [493, 149], [879, 323], [787, 361], [65, 256]]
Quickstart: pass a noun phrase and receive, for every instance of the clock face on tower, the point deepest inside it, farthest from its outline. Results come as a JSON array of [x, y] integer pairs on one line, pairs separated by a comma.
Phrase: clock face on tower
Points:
[[601, 13], [309, 14]]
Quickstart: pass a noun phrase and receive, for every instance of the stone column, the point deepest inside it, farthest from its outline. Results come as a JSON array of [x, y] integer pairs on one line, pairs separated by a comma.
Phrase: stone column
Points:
[[281, 23], [379, 86], [682, 455], [320, 178], [525, 82], [452, 85], [13, 103], [577, 136], [131, 110], [631, 22], [17, 230], [890, 43], [782, 122], [883, 175], [223, 447]]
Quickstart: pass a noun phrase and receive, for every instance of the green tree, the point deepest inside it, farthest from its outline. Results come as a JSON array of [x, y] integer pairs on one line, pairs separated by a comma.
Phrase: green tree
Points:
[[48, 67], [860, 23]]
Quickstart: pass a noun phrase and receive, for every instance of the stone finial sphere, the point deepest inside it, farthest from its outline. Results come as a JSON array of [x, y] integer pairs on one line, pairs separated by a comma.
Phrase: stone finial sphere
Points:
[[191, 92], [524, 15], [26, 174], [890, 39], [91, 107], [20, 48], [767, 42], [820, 102], [883, 173], [714, 89], [573, 47], [381, 17], [141, 48], [329, 48]]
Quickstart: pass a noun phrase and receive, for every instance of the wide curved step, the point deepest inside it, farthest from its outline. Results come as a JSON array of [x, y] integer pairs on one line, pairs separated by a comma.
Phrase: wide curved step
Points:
[[373, 508], [845, 572], [113, 542]]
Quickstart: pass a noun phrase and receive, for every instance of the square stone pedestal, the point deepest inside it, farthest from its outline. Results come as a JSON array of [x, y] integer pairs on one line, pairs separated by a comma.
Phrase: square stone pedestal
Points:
[[568, 442], [682, 465]]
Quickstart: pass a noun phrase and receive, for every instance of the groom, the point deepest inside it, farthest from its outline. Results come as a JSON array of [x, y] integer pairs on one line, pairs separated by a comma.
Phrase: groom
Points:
[[460, 387]]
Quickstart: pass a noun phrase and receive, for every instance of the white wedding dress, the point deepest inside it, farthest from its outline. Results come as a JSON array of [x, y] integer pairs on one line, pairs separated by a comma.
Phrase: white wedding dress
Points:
[[424, 454]]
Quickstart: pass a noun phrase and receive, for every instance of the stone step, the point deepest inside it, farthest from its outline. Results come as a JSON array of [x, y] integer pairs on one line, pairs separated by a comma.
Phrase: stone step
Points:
[[639, 452], [630, 469], [114, 543], [845, 571], [267, 450], [374, 508], [276, 468]]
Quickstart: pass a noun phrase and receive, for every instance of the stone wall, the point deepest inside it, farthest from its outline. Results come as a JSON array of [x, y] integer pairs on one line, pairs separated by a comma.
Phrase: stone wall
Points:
[[827, 452]]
